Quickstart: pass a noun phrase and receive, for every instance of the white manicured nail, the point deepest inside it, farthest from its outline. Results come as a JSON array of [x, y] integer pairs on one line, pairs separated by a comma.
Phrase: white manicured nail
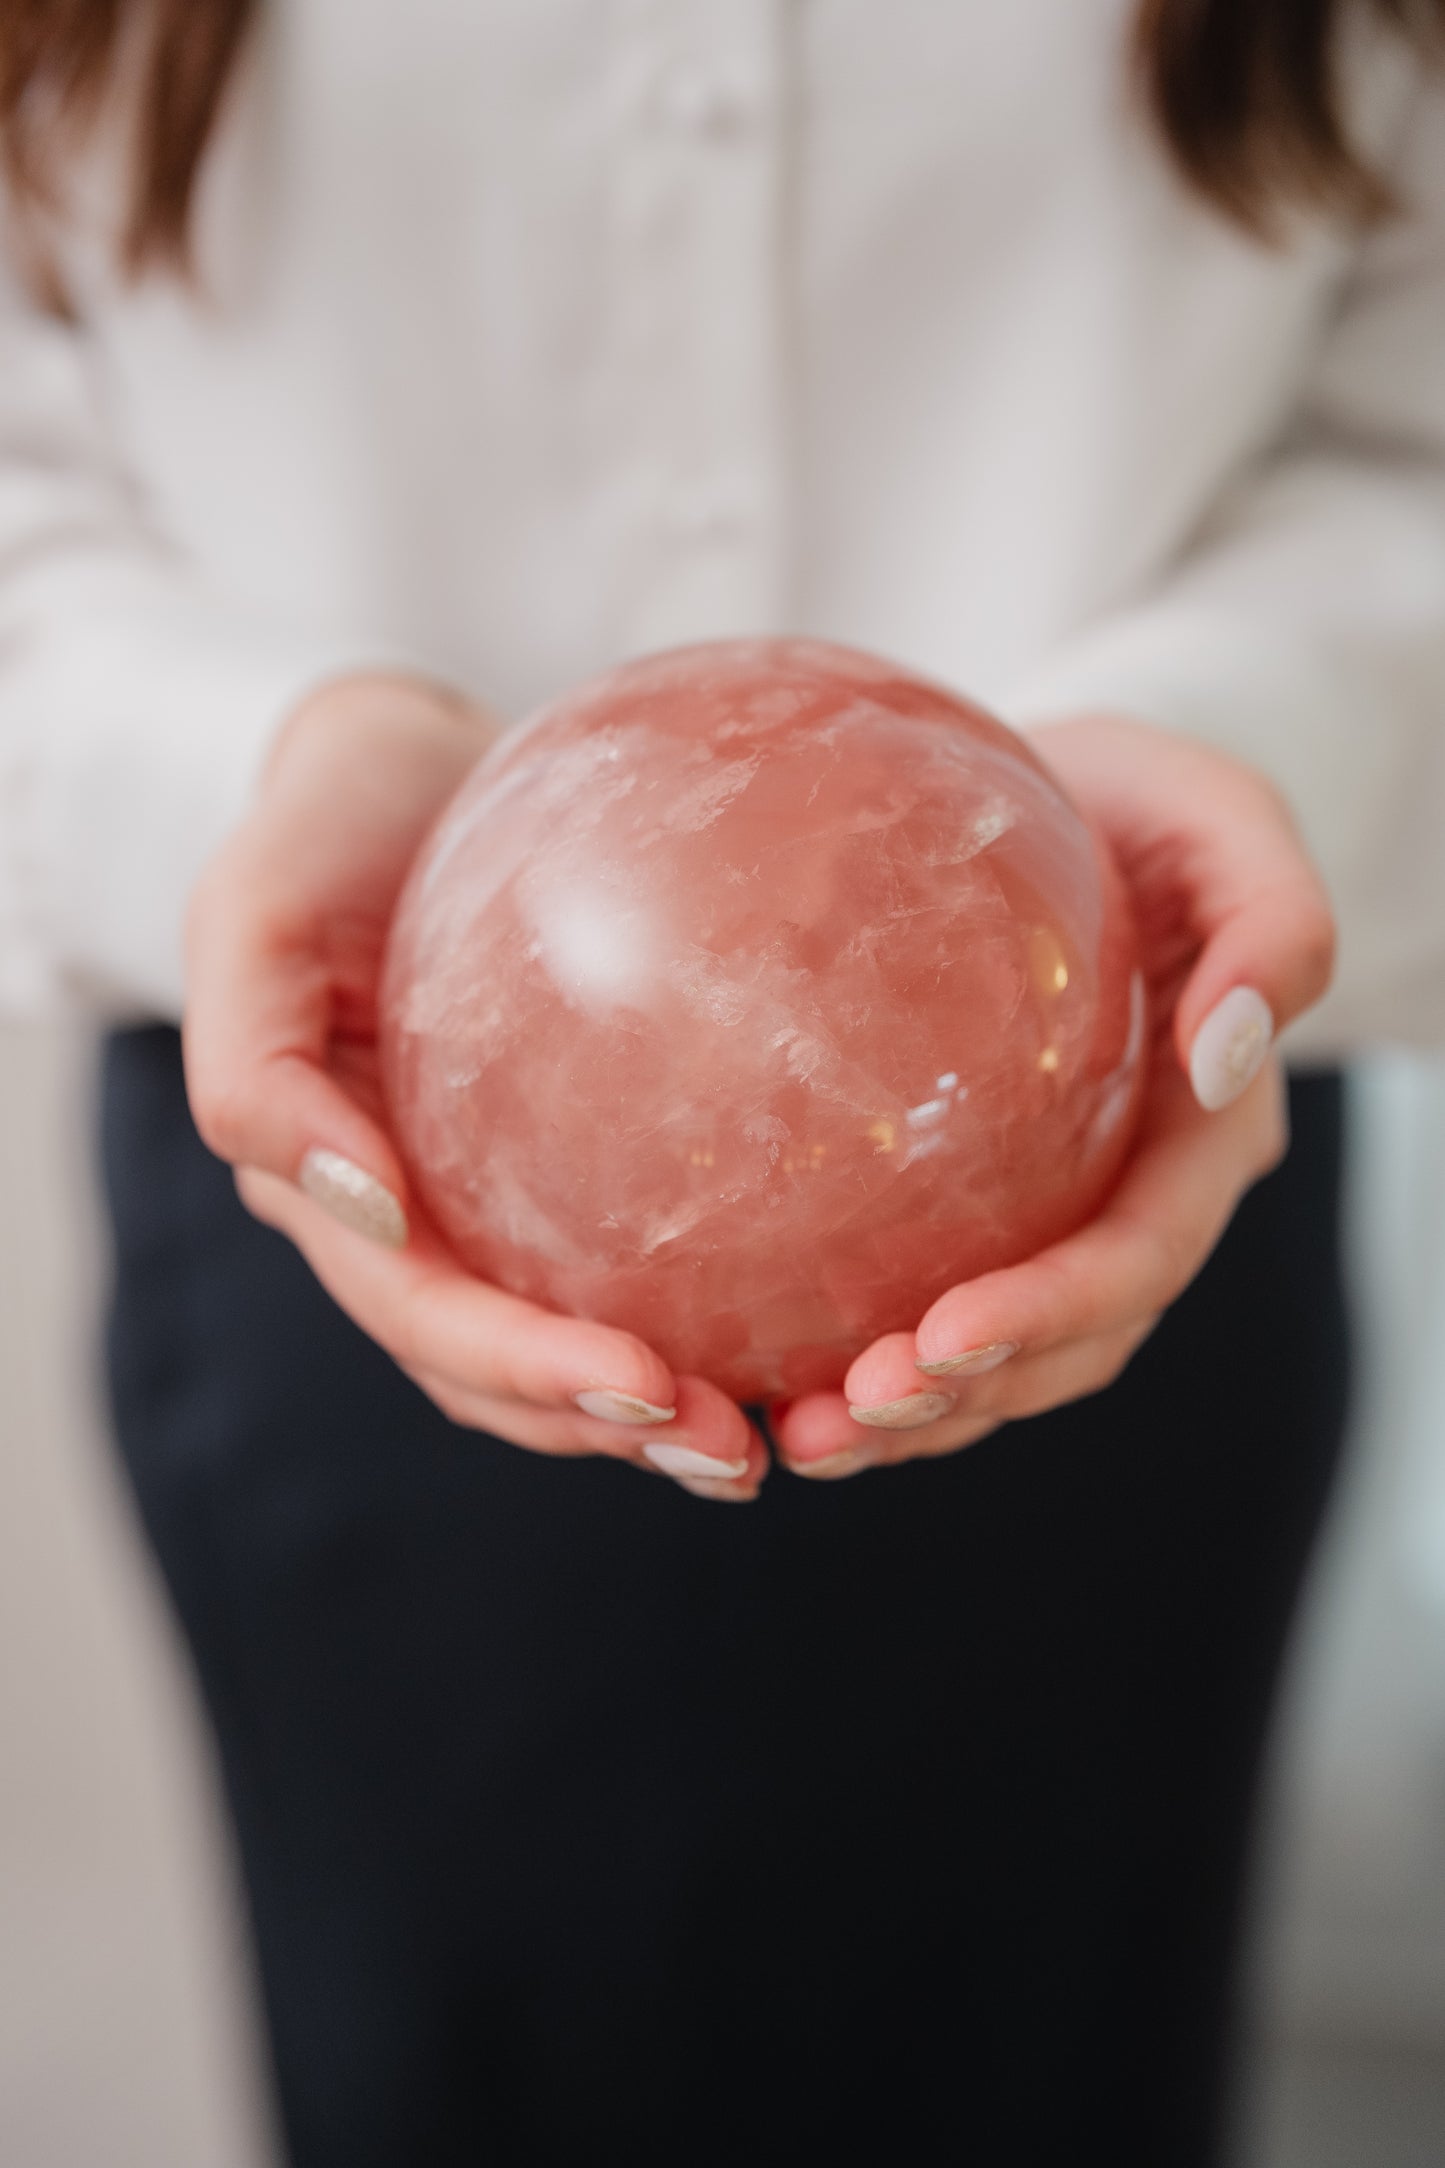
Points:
[[974, 1360], [716, 1494], [353, 1196], [616, 1407], [910, 1413], [683, 1460], [1229, 1047]]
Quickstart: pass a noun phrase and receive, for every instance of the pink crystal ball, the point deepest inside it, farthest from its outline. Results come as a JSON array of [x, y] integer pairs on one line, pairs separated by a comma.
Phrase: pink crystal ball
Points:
[[751, 996]]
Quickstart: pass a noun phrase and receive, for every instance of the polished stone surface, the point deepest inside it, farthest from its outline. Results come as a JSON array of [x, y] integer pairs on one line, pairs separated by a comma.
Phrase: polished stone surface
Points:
[[751, 996]]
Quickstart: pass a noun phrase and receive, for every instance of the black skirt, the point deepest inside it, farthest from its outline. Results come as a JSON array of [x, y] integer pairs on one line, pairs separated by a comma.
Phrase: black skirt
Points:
[[582, 1820]]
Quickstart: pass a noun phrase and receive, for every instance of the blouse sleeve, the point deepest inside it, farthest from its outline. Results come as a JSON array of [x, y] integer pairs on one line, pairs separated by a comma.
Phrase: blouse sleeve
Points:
[[135, 705], [1304, 628]]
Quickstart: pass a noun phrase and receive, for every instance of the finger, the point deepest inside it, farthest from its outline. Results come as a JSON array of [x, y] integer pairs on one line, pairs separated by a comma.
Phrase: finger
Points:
[[1024, 1387], [822, 1444], [1175, 1199], [949, 1438], [1034, 1387], [1210, 850], [256, 1037], [429, 1313], [713, 1442], [702, 1425], [1268, 955], [1035, 1384], [1059, 1376], [1219, 839], [817, 1437], [883, 1389]]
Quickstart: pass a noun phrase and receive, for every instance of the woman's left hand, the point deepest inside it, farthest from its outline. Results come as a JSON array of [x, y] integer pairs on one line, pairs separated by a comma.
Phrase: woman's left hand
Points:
[[1237, 938]]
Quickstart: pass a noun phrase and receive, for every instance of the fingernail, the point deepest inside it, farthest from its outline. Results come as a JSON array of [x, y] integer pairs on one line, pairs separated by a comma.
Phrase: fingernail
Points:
[[353, 1196], [1229, 1047], [679, 1460], [910, 1413], [975, 1360], [614, 1407], [848, 1462]]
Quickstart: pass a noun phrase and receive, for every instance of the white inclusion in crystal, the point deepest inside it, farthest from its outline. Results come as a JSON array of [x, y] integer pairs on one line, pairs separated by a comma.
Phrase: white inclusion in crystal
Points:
[[924, 1147], [802, 1054], [704, 801], [771, 1132], [672, 1227], [995, 820], [992, 821], [947, 1081], [514, 1214], [924, 1117], [703, 982], [599, 950], [776, 704], [766, 1129]]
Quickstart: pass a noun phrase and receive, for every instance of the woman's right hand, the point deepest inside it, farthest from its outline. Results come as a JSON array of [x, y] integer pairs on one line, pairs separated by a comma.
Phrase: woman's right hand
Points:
[[284, 944]]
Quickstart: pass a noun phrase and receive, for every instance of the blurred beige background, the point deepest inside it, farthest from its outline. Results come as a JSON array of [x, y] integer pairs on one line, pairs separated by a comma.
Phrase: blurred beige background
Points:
[[127, 2036]]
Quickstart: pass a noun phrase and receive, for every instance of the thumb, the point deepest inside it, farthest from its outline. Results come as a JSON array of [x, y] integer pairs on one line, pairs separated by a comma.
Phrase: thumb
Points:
[[1268, 956], [257, 1037], [1211, 855]]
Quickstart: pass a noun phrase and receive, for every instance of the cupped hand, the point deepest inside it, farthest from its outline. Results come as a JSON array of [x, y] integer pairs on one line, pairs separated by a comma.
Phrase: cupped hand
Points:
[[284, 942], [1237, 940]]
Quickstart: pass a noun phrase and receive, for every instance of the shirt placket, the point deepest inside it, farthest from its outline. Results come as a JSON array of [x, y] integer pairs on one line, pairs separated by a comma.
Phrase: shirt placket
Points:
[[696, 397]]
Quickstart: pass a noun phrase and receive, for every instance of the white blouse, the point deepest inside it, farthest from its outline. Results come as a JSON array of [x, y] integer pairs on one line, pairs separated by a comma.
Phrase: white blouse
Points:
[[532, 333]]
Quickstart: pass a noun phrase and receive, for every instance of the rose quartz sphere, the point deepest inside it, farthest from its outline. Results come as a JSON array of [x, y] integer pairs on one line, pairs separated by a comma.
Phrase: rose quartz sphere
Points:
[[751, 996]]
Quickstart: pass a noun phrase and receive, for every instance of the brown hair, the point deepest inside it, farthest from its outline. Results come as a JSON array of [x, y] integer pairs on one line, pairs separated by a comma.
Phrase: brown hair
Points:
[[1244, 93], [59, 60], [1246, 96]]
